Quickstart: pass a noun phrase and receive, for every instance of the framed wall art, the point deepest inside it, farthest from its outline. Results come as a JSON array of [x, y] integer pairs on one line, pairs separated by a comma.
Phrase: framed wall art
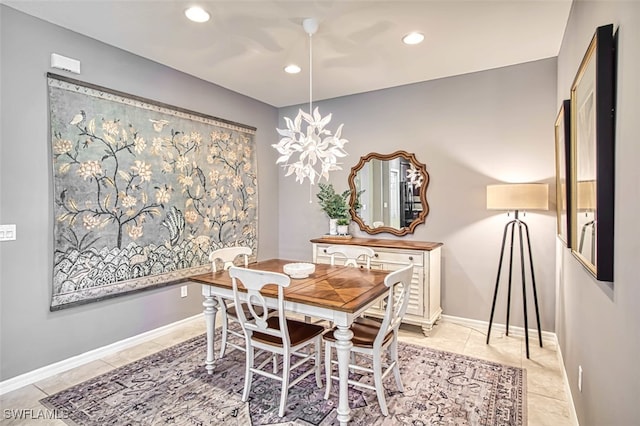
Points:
[[563, 167], [592, 156], [142, 191]]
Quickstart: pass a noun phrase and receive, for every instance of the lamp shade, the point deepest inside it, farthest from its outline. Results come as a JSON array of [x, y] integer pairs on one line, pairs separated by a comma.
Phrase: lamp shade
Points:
[[518, 196], [586, 196]]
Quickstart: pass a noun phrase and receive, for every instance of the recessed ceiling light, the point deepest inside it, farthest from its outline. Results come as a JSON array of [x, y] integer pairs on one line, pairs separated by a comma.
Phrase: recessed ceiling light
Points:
[[292, 69], [197, 14], [413, 38]]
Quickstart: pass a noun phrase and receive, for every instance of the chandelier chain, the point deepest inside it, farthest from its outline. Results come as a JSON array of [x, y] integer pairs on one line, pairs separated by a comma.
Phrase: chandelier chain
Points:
[[310, 72]]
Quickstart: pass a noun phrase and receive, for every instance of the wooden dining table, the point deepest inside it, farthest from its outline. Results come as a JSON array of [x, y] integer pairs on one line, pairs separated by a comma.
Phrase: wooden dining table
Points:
[[335, 293]]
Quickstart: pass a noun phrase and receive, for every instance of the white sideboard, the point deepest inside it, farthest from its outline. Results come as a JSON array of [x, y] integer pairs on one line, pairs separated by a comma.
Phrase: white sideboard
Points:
[[424, 302]]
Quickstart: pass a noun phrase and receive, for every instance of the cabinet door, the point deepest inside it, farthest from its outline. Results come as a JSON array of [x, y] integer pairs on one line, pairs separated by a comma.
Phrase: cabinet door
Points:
[[392, 260], [416, 296]]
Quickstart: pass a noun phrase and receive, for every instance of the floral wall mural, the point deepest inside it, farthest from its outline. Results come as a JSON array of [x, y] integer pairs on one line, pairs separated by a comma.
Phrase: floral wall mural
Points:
[[142, 191]]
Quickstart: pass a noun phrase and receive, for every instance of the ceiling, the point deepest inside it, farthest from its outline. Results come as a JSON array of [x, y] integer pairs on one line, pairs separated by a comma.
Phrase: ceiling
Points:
[[357, 48]]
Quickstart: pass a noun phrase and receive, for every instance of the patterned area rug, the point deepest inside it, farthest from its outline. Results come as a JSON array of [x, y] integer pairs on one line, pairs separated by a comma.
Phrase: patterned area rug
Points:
[[172, 387]]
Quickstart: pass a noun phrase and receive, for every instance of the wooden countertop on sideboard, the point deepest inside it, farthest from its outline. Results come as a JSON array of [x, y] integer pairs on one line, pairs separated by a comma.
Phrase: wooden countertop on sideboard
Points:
[[380, 242]]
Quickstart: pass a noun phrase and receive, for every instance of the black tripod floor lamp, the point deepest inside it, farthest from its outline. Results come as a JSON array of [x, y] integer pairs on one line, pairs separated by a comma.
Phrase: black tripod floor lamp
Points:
[[586, 203], [517, 197]]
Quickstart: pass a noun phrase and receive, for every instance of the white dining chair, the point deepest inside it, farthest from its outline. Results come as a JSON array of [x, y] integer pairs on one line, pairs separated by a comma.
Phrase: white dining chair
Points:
[[351, 254], [227, 256], [274, 333], [371, 339]]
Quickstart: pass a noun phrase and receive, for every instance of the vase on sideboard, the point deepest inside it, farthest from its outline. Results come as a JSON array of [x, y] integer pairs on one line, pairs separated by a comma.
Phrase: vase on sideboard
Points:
[[333, 226]]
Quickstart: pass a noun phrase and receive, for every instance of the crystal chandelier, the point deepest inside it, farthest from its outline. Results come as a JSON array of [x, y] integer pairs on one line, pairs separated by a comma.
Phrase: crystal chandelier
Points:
[[310, 152]]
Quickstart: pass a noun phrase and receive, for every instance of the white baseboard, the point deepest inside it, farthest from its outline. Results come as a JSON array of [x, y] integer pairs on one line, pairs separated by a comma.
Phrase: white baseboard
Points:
[[573, 417], [95, 354], [482, 326]]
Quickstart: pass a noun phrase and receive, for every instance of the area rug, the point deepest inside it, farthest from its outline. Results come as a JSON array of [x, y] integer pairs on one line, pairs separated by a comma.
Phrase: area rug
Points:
[[173, 387]]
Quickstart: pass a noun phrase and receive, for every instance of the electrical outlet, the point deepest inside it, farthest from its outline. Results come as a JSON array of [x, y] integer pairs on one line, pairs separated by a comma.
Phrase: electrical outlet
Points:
[[580, 378], [183, 291], [7, 232]]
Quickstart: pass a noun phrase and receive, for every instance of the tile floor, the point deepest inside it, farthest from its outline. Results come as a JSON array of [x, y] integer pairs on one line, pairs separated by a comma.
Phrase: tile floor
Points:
[[546, 397]]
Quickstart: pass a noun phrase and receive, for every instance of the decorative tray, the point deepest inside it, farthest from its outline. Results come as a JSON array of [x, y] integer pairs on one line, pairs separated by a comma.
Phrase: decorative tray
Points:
[[337, 237]]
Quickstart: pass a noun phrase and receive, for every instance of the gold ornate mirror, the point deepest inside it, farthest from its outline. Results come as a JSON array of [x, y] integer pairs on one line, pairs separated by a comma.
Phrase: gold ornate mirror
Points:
[[389, 193]]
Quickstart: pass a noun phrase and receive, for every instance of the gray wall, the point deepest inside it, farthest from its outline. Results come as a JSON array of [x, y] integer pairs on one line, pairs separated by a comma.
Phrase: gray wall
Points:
[[31, 336], [470, 131], [598, 323]]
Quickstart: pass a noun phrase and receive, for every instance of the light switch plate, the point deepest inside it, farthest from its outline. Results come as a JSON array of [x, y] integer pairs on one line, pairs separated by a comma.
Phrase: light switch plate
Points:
[[7, 232]]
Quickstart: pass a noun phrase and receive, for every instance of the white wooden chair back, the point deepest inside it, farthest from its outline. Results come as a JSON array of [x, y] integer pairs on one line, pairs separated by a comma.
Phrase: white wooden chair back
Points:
[[351, 254], [253, 280], [397, 300], [228, 255]]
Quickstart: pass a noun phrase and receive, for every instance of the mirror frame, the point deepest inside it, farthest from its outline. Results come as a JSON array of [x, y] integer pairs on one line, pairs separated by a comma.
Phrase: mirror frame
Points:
[[411, 158], [594, 134]]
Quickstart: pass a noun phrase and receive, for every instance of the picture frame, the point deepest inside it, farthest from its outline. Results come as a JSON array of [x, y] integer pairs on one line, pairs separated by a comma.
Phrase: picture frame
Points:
[[562, 130], [592, 156]]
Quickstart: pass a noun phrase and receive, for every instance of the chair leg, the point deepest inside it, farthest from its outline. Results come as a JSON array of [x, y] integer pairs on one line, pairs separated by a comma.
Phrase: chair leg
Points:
[[396, 368], [286, 365], [225, 325], [327, 368], [248, 374], [318, 347], [377, 378]]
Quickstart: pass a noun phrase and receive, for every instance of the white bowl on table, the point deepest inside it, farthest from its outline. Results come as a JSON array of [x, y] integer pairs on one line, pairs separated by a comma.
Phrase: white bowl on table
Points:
[[299, 270]]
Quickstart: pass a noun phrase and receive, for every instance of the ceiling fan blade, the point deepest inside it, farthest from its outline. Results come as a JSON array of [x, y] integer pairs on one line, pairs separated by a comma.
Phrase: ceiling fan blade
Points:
[[366, 34]]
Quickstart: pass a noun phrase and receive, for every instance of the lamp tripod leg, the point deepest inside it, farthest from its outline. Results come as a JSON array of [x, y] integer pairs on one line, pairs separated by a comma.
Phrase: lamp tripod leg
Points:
[[533, 282], [593, 241], [524, 290], [513, 223], [581, 238], [495, 291]]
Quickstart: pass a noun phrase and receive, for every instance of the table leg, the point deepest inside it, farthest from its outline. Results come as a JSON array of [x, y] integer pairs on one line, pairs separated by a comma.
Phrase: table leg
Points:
[[210, 304], [343, 344]]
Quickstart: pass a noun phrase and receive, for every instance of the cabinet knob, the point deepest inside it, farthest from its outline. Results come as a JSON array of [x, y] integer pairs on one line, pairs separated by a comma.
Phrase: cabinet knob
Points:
[[324, 250], [411, 258], [375, 255]]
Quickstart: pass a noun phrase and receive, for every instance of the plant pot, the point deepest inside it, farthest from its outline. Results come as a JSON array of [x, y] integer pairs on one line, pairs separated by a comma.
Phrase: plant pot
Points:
[[333, 226], [343, 229]]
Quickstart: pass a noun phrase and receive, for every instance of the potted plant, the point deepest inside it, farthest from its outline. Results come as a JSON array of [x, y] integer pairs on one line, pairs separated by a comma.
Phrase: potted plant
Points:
[[335, 205], [343, 226]]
